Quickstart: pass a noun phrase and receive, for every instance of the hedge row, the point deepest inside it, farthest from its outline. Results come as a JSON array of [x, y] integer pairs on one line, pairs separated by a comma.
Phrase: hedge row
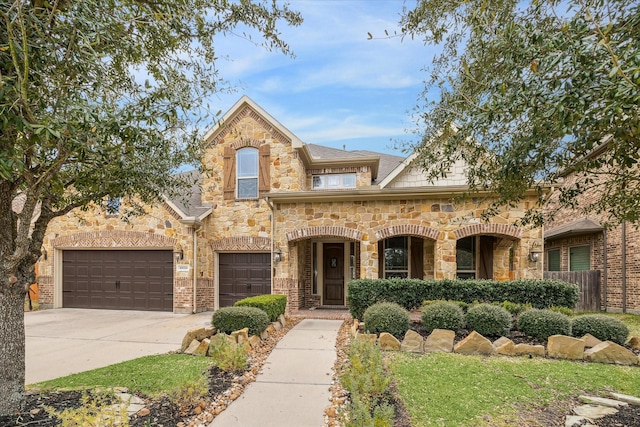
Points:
[[410, 293], [273, 305]]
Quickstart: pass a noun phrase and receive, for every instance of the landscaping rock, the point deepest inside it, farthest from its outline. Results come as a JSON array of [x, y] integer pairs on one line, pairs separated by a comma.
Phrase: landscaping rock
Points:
[[634, 342], [531, 350], [282, 320], [631, 400], [590, 341], [264, 335], [270, 329], [610, 352], [603, 401], [254, 341], [593, 412], [389, 342], [192, 347], [501, 341], [440, 340], [412, 342], [354, 327], [576, 421], [504, 346], [241, 336], [276, 326], [474, 343], [203, 348], [367, 337], [192, 334], [564, 347]]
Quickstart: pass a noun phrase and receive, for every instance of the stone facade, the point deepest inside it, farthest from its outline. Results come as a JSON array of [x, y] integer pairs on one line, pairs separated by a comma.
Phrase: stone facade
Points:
[[290, 220]]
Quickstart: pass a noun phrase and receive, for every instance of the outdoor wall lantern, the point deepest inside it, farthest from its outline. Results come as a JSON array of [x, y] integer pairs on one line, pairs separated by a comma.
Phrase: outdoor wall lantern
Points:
[[44, 253], [534, 255], [277, 255], [179, 254]]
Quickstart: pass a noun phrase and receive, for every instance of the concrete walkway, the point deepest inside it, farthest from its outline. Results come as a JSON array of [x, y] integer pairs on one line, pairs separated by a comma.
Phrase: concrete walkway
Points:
[[292, 388]]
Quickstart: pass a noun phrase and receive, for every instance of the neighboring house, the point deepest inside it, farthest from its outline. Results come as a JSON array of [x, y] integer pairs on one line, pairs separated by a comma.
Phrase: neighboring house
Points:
[[273, 214], [574, 242]]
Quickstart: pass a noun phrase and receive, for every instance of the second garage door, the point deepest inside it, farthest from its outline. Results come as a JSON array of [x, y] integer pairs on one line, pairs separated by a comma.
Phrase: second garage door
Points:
[[243, 275], [118, 279]]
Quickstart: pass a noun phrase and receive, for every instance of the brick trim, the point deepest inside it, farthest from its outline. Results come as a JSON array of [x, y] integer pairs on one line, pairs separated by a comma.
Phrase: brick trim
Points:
[[407, 230], [242, 243], [113, 239], [491, 229], [324, 231], [242, 113]]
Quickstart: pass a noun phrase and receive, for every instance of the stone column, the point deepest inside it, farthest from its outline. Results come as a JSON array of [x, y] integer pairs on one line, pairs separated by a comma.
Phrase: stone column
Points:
[[445, 256], [368, 258]]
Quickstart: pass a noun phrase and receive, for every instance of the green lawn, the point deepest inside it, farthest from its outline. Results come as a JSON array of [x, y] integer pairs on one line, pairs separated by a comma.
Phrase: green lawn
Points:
[[151, 375], [455, 390]]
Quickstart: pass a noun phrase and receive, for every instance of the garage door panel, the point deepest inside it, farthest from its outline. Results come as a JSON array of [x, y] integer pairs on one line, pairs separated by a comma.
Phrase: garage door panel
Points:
[[242, 275], [118, 279]]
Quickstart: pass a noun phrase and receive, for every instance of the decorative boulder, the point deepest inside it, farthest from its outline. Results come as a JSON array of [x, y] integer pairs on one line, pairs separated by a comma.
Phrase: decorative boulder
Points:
[[203, 348], [412, 342], [610, 352], [590, 340], [474, 343], [564, 347], [389, 342], [634, 342], [440, 340], [528, 349]]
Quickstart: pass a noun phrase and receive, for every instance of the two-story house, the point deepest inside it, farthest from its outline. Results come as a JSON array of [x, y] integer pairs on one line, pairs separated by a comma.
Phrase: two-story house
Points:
[[273, 214]]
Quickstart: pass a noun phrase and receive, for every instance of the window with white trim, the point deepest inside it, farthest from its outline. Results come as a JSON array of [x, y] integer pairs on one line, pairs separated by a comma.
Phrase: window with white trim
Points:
[[247, 173], [333, 181]]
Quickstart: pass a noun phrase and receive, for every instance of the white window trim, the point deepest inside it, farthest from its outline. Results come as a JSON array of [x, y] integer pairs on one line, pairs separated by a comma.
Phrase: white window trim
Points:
[[340, 186], [246, 178]]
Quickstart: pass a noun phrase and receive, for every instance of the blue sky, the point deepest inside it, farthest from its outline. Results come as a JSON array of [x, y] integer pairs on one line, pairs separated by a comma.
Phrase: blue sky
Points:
[[341, 89]]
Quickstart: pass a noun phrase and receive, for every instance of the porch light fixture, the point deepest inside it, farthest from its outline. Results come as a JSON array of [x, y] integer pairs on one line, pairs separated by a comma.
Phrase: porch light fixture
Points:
[[179, 254], [534, 255], [277, 255]]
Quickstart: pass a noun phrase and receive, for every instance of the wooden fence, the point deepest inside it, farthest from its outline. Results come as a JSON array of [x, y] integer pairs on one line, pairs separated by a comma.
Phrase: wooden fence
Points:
[[588, 282]]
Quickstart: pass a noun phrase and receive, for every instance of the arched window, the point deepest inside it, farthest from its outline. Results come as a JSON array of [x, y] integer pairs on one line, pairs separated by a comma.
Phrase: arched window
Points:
[[247, 173]]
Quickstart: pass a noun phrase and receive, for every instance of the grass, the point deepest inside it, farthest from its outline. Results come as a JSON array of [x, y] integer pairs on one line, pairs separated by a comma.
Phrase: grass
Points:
[[151, 375], [631, 320], [455, 390]]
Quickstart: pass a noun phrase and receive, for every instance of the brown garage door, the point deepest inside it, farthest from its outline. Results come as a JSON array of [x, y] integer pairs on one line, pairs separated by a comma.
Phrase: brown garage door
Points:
[[120, 279], [243, 275]]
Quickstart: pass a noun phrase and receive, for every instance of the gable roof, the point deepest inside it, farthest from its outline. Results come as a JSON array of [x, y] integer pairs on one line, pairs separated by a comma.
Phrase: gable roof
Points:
[[189, 204]]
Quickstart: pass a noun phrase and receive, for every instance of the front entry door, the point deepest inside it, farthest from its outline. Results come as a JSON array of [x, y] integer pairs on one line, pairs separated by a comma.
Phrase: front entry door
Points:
[[333, 255]]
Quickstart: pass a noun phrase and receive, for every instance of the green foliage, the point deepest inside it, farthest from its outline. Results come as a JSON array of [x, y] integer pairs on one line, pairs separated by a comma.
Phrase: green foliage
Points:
[[526, 90], [564, 310], [489, 320], [602, 327], [190, 393], [97, 410], [463, 305], [411, 293], [230, 319], [442, 315], [367, 382], [515, 308], [273, 305], [227, 355], [386, 317], [541, 324]]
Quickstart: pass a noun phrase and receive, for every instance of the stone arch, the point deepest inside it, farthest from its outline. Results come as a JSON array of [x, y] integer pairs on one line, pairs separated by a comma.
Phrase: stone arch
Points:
[[407, 230], [243, 243], [324, 231], [504, 230], [113, 239]]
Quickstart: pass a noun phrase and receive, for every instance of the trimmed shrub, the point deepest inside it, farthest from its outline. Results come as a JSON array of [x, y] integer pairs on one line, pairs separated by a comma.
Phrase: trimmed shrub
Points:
[[273, 305], [463, 305], [442, 315], [563, 310], [489, 320], [604, 328], [515, 308], [386, 317], [541, 324], [229, 319], [411, 293]]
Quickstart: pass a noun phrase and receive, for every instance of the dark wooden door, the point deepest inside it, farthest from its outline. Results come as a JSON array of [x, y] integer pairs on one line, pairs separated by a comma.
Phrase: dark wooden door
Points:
[[118, 279], [243, 275], [333, 256]]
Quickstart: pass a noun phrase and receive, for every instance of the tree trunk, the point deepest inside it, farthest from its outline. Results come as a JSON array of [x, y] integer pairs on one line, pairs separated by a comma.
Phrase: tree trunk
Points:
[[12, 347]]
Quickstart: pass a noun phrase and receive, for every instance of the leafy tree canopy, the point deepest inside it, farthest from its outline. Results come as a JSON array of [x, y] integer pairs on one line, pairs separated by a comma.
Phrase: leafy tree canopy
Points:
[[100, 98], [532, 91]]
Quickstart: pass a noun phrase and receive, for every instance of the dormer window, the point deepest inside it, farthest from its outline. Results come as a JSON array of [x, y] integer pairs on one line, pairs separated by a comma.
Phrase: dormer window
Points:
[[334, 181]]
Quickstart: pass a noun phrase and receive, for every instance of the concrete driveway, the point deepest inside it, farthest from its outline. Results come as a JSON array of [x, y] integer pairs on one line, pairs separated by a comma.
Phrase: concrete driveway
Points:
[[64, 341]]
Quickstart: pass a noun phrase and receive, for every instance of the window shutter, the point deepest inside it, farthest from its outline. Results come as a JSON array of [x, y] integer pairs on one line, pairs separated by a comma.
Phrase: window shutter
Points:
[[579, 258], [264, 174], [229, 173], [380, 259], [553, 260]]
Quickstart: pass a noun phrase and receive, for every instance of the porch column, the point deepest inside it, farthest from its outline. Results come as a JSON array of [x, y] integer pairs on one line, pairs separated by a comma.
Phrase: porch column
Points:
[[445, 256], [368, 259]]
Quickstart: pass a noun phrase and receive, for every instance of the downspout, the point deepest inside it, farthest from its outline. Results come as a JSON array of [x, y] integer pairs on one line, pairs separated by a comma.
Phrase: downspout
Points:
[[624, 266], [195, 264], [273, 229], [605, 270]]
